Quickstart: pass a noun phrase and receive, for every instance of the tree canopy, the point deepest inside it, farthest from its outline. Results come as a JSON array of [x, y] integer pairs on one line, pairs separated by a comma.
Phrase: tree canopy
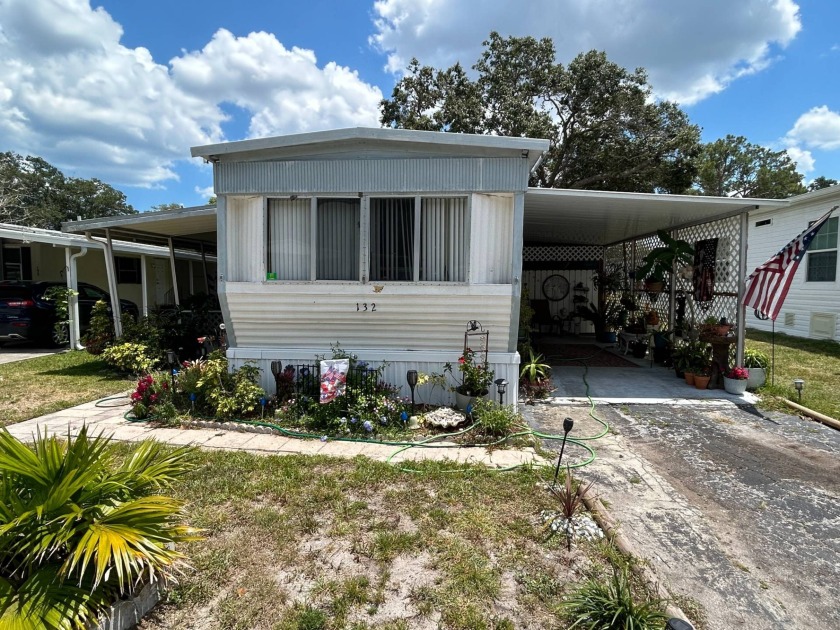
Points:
[[821, 182], [606, 131], [733, 167], [33, 192]]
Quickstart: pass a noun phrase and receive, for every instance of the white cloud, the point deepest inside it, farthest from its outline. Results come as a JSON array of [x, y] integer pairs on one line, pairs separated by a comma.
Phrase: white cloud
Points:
[[804, 160], [73, 94], [690, 49], [818, 128], [206, 192]]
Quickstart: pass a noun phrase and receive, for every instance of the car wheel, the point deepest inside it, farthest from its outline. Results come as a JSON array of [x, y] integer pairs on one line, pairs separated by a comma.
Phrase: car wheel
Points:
[[60, 336]]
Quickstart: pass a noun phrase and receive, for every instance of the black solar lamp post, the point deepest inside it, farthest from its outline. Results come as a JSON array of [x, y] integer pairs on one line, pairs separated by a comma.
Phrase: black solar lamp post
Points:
[[411, 379], [568, 423], [172, 361], [501, 387], [276, 368]]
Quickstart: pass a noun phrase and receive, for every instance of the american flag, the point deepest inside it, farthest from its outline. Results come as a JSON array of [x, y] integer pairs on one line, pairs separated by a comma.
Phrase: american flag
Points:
[[768, 285]]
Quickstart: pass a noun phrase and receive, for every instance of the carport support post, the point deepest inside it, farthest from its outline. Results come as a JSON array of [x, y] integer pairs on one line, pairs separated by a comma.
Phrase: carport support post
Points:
[[204, 270], [742, 285], [174, 275], [116, 311]]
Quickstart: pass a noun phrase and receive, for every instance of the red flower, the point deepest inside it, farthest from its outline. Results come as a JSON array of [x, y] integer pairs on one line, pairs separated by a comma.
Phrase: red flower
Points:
[[462, 360]]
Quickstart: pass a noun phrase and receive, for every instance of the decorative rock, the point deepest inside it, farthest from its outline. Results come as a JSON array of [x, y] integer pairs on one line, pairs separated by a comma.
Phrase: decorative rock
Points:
[[444, 418]]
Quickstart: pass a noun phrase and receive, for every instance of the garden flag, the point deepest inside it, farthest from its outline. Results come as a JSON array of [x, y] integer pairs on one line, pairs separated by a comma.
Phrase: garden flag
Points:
[[333, 378], [768, 285]]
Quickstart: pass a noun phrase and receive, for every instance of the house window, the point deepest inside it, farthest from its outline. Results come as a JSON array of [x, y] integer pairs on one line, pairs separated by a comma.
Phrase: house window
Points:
[[338, 239], [128, 270], [392, 239], [17, 263], [822, 253], [405, 239]]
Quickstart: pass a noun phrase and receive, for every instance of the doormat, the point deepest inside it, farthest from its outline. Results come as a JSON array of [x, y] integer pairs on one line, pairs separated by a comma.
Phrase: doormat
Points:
[[594, 356]]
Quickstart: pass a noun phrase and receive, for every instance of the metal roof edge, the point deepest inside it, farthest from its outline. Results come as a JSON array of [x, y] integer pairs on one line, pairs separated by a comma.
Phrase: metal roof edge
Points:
[[372, 133], [135, 219], [655, 197]]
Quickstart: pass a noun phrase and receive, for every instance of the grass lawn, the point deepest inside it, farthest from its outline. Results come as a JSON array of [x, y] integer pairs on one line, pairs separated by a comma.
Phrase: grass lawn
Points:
[[815, 361], [33, 387], [303, 542]]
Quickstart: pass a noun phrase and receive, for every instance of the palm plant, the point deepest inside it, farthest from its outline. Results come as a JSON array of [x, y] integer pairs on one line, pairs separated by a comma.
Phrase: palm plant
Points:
[[78, 528], [534, 369]]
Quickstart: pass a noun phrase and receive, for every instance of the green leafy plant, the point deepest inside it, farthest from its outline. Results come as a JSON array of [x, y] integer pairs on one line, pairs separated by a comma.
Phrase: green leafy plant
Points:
[[153, 396], [231, 394], [611, 605], [80, 528], [475, 377], [756, 359], [609, 316], [660, 261], [495, 420], [100, 332], [60, 297], [132, 358], [534, 369]]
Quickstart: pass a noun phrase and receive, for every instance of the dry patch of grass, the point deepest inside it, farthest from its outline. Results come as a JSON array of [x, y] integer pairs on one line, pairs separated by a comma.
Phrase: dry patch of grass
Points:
[[815, 361], [302, 542], [53, 382]]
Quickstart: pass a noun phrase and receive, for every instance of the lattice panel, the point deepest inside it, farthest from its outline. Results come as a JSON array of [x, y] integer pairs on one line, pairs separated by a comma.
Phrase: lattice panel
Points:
[[562, 252]]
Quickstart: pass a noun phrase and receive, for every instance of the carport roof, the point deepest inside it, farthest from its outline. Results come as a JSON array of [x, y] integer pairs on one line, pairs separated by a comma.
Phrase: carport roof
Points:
[[596, 217], [194, 226]]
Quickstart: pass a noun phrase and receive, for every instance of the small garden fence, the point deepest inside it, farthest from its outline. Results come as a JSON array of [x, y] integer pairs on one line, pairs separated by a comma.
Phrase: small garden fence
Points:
[[301, 382]]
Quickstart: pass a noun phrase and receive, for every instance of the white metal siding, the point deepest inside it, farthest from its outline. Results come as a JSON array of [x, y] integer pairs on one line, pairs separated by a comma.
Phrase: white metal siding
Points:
[[245, 239], [491, 247], [804, 298], [407, 317]]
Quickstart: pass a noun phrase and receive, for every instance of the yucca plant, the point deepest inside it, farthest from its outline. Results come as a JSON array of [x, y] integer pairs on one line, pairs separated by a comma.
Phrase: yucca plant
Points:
[[570, 499], [611, 605], [79, 528]]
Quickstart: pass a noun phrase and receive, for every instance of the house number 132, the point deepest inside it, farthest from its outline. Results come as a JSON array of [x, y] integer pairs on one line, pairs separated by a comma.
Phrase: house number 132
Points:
[[364, 306]]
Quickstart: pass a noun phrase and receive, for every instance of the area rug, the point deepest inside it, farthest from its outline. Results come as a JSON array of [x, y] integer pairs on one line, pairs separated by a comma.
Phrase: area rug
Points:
[[559, 354]]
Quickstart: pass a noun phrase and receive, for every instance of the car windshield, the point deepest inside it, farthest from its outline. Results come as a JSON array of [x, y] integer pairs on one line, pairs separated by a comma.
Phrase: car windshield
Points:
[[93, 293]]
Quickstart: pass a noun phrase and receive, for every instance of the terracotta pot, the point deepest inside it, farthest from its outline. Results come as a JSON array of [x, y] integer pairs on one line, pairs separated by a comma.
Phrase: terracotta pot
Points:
[[689, 378], [701, 382]]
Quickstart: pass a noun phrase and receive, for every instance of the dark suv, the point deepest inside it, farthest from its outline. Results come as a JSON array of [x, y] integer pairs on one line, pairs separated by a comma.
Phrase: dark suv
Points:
[[26, 316]]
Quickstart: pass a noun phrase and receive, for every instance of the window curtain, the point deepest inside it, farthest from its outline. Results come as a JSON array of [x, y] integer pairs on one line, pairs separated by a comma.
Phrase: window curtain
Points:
[[338, 239], [289, 238], [443, 239], [392, 239]]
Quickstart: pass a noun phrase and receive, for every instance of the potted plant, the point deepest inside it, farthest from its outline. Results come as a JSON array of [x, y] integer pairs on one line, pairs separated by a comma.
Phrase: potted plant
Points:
[[716, 327], [756, 363], [662, 261], [702, 375], [606, 319], [680, 355], [535, 377], [475, 379], [735, 380]]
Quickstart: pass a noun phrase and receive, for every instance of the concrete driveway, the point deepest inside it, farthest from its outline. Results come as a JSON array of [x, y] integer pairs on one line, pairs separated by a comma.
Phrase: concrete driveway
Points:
[[738, 513], [18, 351]]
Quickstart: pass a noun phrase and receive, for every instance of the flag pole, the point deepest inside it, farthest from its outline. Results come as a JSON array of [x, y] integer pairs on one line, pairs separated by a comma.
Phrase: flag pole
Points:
[[773, 350]]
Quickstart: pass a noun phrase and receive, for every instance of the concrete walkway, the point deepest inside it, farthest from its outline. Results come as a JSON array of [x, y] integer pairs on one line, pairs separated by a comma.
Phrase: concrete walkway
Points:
[[18, 351], [108, 419]]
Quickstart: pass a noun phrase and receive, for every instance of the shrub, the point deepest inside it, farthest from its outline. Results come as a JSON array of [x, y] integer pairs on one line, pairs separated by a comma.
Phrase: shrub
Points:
[[100, 332], [219, 392], [756, 359], [611, 605], [152, 397], [133, 358], [495, 420], [80, 529]]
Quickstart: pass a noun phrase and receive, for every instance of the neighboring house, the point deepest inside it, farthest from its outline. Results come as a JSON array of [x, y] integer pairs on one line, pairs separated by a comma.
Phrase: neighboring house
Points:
[[812, 306], [143, 272]]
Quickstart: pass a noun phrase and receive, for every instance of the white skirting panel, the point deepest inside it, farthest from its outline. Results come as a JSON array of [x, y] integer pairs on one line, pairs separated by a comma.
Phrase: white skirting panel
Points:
[[505, 365]]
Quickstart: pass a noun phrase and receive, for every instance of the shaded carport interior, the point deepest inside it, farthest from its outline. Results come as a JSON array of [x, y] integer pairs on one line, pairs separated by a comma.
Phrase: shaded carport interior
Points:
[[190, 229]]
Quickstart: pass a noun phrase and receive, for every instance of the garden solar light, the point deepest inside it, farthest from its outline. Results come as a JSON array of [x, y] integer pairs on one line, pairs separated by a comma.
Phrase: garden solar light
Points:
[[263, 401], [798, 383], [678, 624], [568, 423], [501, 387], [411, 378], [172, 360]]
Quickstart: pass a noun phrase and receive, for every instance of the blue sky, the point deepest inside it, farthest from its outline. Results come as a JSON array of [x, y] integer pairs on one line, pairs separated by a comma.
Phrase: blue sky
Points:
[[121, 90]]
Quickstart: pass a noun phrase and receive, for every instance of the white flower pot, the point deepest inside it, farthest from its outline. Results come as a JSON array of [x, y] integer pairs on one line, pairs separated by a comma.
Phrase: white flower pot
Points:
[[735, 386], [757, 378]]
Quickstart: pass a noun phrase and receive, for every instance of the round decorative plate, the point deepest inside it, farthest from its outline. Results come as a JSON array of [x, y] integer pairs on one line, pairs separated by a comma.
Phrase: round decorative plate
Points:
[[555, 287]]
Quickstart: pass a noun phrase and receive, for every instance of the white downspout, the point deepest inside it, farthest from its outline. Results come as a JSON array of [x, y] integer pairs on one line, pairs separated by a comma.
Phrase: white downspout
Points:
[[174, 275], [116, 312], [73, 299], [144, 285]]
